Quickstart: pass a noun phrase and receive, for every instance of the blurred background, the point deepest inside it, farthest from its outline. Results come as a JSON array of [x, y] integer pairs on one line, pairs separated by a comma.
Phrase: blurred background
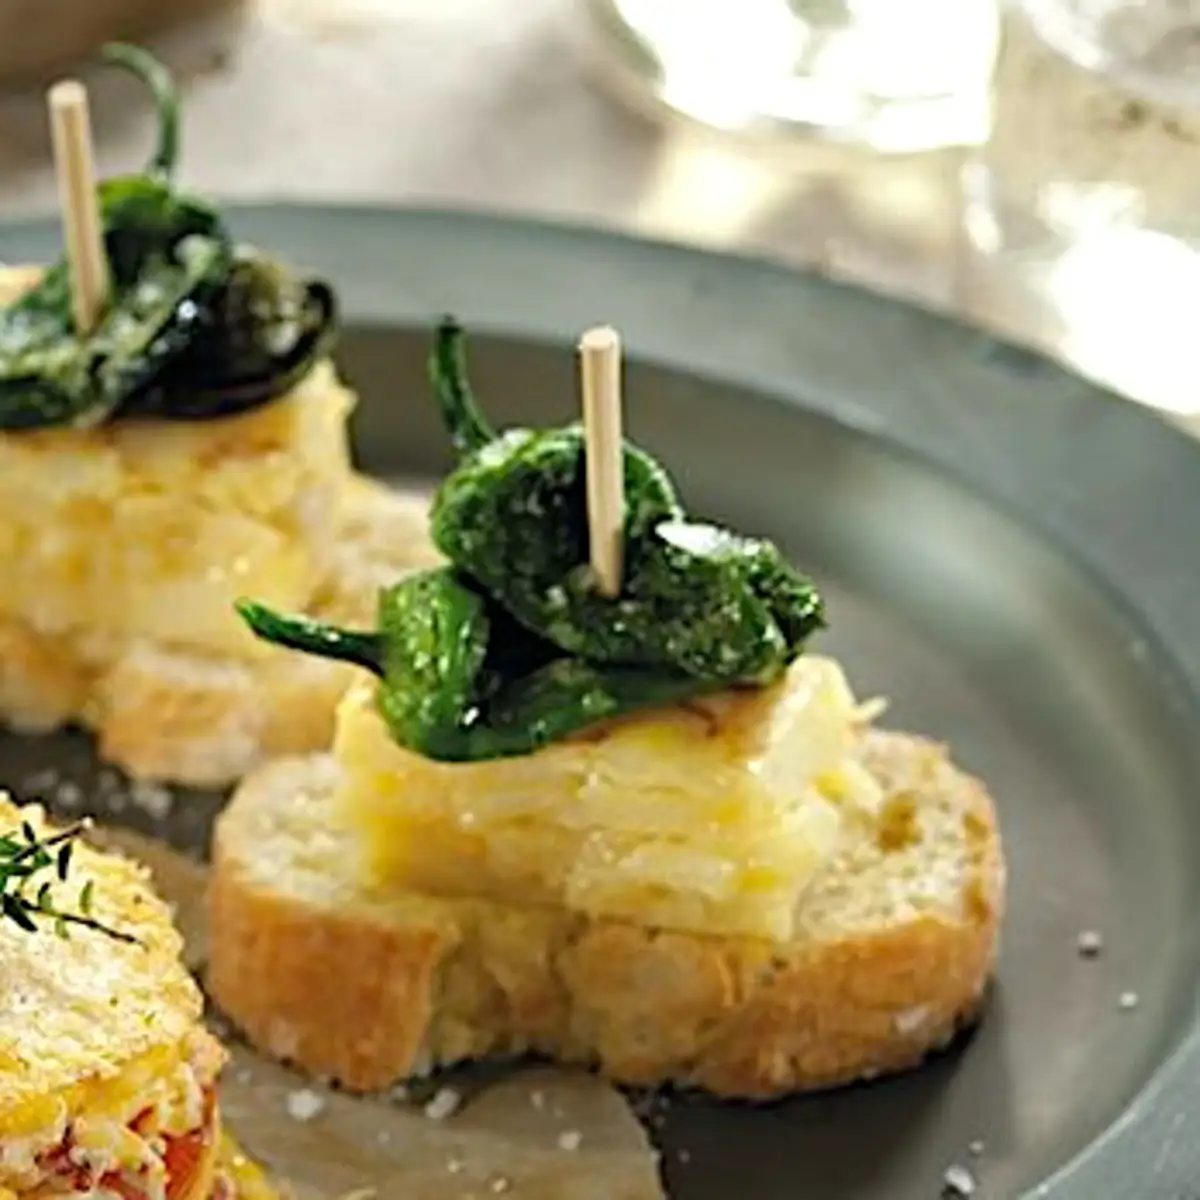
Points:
[[1033, 165]]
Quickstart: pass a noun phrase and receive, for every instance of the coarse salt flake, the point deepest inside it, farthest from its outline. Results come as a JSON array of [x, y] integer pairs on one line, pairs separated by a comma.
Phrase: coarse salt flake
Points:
[[304, 1104], [444, 1104], [958, 1183]]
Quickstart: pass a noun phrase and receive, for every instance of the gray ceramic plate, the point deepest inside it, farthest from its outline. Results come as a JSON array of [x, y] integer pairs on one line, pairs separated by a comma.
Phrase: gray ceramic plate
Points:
[[1009, 554]]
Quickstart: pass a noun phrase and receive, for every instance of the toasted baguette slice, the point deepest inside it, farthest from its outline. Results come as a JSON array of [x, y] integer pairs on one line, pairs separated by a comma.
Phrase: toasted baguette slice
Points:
[[896, 941]]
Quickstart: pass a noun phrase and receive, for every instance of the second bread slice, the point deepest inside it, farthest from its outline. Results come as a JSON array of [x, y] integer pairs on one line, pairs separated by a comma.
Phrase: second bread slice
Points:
[[896, 943]]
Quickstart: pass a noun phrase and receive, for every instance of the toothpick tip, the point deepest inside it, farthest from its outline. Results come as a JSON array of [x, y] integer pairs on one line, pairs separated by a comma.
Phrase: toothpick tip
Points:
[[69, 93], [600, 338]]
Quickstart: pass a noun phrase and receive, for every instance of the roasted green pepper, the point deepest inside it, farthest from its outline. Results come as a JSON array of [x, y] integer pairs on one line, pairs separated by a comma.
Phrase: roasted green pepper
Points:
[[255, 340], [511, 647], [194, 326], [461, 681]]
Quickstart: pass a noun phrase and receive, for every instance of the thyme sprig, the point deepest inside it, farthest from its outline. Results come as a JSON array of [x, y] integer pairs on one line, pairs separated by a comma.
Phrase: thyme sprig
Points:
[[26, 895]]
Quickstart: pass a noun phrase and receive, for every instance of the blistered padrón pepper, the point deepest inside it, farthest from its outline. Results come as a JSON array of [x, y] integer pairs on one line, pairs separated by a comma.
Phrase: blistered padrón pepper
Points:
[[511, 646], [194, 325]]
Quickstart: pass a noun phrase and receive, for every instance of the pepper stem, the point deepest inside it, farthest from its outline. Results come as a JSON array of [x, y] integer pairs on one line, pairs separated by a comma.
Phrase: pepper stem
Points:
[[162, 87], [469, 429], [313, 637]]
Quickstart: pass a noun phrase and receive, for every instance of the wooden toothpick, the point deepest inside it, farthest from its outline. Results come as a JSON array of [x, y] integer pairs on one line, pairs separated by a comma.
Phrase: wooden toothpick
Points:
[[71, 130], [600, 373]]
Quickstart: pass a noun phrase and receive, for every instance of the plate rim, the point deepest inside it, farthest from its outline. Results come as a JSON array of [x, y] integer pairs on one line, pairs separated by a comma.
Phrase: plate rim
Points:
[[1034, 438]]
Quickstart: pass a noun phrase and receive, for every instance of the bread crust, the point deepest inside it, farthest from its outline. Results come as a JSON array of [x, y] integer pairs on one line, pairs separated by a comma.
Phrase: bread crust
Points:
[[369, 990]]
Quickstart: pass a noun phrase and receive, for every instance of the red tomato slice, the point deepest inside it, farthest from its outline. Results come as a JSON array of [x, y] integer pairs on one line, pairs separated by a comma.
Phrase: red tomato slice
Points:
[[184, 1156]]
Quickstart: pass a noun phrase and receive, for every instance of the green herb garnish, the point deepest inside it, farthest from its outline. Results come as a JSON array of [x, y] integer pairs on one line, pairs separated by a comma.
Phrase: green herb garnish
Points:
[[195, 326], [26, 894], [511, 647]]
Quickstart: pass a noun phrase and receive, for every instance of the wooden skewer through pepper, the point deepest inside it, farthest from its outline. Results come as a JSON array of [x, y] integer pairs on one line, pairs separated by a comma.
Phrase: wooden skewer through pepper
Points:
[[600, 375], [194, 326], [71, 128], [511, 646]]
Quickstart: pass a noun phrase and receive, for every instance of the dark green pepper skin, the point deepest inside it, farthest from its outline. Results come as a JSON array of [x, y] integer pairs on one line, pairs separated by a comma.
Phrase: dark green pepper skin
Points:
[[451, 690], [168, 262], [255, 339], [510, 648], [194, 327], [696, 600]]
